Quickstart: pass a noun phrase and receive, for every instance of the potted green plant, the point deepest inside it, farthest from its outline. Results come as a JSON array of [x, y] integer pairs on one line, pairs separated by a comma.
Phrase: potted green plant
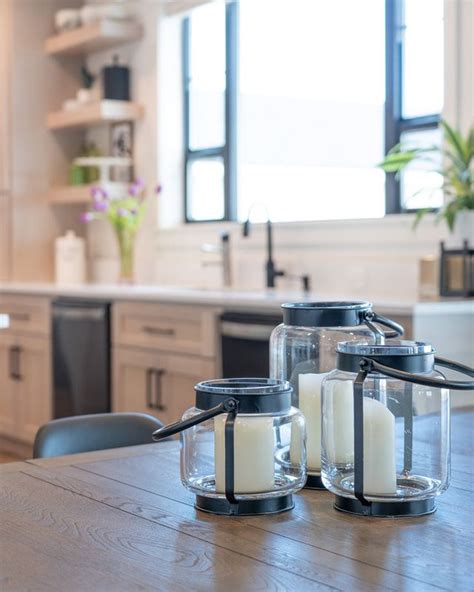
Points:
[[125, 214], [457, 156]]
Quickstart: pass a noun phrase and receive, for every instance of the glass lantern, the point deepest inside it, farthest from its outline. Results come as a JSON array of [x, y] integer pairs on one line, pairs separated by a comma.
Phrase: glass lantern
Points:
[[385, 428], [234, 443], [303, 351]]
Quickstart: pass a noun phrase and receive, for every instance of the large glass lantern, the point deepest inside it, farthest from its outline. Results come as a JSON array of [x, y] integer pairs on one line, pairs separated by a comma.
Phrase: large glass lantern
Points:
[[303, 351], [385, 428], [234, 443]]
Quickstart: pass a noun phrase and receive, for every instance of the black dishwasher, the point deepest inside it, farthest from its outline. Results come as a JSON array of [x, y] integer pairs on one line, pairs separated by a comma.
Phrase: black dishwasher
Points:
[[81, 357], [245, 341]]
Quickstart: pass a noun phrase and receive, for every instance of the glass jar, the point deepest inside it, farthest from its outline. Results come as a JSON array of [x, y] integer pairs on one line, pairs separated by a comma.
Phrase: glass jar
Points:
[[235, 446], [385, 428], [303, 351]]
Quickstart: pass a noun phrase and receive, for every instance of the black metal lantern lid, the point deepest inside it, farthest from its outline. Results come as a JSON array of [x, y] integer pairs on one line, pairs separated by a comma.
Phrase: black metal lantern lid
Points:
[[254, 395], [408, 356], [325, 314]]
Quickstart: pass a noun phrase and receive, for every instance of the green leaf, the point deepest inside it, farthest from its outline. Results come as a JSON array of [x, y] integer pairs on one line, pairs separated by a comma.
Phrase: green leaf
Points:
[[396, 161], [419, 215], [454, 139]]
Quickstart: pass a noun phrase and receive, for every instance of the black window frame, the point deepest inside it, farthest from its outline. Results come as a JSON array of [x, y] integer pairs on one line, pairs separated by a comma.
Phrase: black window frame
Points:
[[395, 123], [228, 151]]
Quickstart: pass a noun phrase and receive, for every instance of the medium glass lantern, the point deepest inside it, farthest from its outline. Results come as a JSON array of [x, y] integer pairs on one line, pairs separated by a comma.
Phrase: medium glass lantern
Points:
[[385, 428], [303, 351], [233, 443]]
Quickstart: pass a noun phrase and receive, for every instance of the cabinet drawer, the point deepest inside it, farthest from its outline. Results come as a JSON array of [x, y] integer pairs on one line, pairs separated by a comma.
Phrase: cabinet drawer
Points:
[[183, 329], [28, 314]]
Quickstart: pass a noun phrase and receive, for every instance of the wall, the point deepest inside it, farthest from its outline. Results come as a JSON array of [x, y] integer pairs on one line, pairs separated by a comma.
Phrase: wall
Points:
[[34, 85]]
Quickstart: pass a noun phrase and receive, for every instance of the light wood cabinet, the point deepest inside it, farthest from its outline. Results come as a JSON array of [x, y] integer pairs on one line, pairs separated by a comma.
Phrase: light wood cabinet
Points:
[[157, 383], [168, 327], [9, 416], [160, 352], [25, 385]]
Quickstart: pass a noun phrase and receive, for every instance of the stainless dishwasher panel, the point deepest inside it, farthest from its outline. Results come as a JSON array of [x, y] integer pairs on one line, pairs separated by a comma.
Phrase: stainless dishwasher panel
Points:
[[81, 357], [245, 343]]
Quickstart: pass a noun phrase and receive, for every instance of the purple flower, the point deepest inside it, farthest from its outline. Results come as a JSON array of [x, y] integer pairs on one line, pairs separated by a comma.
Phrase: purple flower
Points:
[[123, 213], [158, 189], [87, 217], [134, 190], [139, 182], [98, 193], [100, 206]]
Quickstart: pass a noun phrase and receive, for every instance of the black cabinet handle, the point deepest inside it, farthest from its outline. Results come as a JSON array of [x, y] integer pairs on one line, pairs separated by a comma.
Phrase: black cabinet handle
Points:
[[158, 330], [14, 362], [159, 391], [154, 390]]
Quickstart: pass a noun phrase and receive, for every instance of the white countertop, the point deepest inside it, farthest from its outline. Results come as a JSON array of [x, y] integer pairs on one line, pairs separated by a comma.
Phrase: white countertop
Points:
[[228, 298]]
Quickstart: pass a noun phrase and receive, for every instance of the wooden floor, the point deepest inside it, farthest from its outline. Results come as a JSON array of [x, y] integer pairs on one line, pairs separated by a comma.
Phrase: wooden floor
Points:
[[6, 457]]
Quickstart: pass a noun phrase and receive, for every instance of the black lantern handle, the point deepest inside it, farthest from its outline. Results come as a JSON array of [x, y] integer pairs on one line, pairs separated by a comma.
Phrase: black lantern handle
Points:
[[227, 406], [371, 317], [371, 364]]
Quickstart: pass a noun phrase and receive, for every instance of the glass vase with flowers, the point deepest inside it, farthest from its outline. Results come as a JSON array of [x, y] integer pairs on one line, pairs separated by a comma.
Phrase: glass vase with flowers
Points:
[[125, 214]]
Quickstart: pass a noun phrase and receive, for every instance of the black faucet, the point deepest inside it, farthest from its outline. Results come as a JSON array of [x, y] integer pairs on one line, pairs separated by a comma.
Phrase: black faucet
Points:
[[270, 269]]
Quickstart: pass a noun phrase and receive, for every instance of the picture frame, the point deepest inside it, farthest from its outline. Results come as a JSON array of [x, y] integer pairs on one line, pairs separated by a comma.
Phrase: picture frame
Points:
[[121, 145]]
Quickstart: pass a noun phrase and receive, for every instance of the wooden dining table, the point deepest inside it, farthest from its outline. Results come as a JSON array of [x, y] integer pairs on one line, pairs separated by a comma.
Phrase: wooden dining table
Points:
[[121, 520]]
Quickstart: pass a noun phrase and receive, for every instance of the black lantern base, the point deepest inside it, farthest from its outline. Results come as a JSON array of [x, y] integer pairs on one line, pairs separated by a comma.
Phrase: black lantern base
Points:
[[385, 509], [314, 482], [271, 505]]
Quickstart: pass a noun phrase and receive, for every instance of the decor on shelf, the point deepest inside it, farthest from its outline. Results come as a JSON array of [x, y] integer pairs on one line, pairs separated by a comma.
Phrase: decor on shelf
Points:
[[232, 458], [116, 80], [85, 94], [67, 19], [457, 155], [121, 146], [125, 215], [457, 271], [385, 427], [303, 351]]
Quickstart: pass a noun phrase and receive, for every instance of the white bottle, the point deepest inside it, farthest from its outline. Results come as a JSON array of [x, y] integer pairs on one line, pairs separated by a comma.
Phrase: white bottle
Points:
[[70, 259]]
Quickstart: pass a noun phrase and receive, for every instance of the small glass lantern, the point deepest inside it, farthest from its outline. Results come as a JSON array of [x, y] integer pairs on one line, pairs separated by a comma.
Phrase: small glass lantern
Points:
[[385, 428], [303, 351], [233, 443]]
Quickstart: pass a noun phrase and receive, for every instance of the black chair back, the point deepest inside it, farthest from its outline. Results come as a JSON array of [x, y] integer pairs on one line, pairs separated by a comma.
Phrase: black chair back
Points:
[[86, 433]]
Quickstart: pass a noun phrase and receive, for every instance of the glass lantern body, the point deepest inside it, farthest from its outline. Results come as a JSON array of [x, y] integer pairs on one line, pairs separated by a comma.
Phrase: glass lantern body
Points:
[[406, 440], [261, 445], [260, 442], [304, 355]]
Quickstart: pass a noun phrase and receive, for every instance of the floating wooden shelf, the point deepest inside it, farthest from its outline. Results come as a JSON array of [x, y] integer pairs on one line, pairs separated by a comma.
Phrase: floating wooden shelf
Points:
[[94, 37], [81, 194], [70, 194], [94, 114]]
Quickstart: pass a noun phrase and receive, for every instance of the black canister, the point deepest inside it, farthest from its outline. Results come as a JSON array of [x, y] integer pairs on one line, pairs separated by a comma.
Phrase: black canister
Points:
[[116, 80]]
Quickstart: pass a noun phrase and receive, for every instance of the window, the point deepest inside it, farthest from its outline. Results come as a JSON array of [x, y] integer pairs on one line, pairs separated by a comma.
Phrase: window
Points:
[[414, 33], [209, 100], [320, 99]]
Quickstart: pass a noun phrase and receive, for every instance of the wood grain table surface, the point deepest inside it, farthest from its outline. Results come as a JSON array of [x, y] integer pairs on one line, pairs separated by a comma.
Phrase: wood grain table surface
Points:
[[121, 520]]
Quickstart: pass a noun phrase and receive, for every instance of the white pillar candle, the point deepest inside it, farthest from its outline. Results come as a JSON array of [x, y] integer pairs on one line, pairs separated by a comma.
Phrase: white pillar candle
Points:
[[309, 403], [254, 464], [339, 422], [380, 473], [380, 476]]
